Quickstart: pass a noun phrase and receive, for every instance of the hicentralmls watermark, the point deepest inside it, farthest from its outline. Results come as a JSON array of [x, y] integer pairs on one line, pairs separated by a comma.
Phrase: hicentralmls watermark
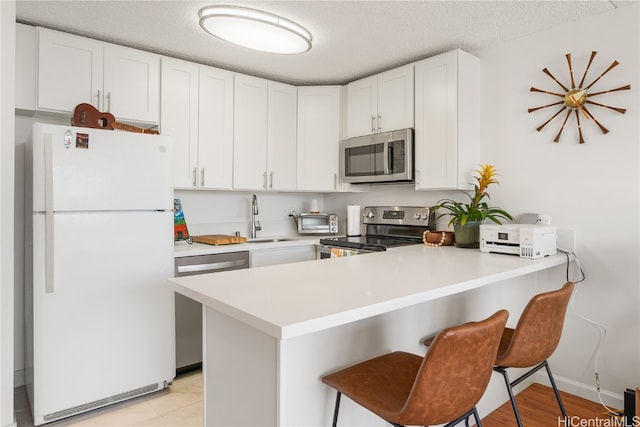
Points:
[[598, 422]]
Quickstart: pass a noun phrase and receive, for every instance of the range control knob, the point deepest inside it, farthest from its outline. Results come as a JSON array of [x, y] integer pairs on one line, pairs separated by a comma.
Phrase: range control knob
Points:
[[424, 216], [369, 214], [416, 215]]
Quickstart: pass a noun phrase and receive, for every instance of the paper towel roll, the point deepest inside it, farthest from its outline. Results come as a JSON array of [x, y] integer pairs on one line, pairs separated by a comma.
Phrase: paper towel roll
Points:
[[313, 207], [353, 220]]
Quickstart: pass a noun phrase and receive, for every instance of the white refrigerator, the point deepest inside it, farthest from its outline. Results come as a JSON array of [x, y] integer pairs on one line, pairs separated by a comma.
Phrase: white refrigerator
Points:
[[99, 314]]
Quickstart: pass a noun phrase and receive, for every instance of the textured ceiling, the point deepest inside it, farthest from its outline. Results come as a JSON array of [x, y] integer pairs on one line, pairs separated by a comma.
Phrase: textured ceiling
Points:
[[351, 39]]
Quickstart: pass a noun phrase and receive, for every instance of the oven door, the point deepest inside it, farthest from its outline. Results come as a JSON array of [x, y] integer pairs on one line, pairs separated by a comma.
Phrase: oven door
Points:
[[384, 157], [326, 251]]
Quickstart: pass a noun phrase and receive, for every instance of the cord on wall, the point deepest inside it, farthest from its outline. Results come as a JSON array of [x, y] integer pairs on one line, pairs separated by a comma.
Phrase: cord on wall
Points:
[[602, 328]]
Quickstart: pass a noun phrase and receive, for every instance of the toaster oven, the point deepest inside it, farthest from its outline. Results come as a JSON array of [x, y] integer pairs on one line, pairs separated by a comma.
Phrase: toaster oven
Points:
[[317, 223]]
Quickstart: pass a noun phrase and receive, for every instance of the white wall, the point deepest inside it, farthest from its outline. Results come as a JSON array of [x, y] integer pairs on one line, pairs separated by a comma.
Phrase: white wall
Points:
[[593, 188], [7, 78]]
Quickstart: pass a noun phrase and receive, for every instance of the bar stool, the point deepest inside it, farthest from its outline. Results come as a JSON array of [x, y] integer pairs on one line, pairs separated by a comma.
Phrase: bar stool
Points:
[[534, 340], [444, 386]]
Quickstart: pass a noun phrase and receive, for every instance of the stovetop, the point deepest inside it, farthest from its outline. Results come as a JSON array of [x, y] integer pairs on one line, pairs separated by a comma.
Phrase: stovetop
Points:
[[368, 243]]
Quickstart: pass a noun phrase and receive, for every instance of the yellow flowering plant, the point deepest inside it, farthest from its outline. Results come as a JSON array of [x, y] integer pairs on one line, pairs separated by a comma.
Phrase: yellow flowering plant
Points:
[[476, 209]]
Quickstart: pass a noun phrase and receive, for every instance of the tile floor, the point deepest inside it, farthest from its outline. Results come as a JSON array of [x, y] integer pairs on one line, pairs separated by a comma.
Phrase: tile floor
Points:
[[178, 406]]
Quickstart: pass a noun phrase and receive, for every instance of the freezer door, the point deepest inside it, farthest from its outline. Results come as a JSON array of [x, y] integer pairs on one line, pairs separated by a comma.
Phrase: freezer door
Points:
[[82, 169], [105, 323]]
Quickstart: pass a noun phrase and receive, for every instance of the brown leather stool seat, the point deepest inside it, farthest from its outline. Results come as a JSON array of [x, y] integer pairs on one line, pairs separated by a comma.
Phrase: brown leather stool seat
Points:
[[444, 386], [534, 340]]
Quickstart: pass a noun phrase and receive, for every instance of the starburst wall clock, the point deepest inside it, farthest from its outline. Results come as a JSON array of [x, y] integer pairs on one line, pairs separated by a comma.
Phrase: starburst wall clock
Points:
[[575, 99]]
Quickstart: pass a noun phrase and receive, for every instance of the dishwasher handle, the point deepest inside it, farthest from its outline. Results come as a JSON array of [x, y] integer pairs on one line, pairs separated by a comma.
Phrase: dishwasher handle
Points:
[[214, 266], [202, 264]]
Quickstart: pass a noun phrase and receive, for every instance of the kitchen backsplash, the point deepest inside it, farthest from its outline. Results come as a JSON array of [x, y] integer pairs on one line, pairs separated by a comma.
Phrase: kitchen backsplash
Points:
[[224, 212]]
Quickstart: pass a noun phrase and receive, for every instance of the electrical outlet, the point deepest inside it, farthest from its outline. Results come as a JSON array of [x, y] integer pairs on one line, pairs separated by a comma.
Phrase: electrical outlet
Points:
[[544, 220]]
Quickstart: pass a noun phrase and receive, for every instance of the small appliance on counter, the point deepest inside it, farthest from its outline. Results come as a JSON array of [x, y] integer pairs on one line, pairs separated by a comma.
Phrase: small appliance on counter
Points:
[[317, 223], [526, 240]]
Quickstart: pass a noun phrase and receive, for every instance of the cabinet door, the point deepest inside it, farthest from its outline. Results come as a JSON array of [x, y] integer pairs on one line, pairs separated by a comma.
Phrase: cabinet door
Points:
[[215, 136], [250, 133], [362, 107], [446, 132], [281, 136], [395, 99], [287, 255], [131, 84], [318, 138], [69, 71], [25, 67], [179, 118]]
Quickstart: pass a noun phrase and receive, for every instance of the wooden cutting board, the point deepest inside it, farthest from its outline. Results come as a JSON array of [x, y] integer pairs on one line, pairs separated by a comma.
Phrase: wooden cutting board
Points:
[[219, 239]]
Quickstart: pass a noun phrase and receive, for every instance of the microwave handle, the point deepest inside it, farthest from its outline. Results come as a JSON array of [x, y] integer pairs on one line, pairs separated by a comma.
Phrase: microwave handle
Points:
[[386, 159]]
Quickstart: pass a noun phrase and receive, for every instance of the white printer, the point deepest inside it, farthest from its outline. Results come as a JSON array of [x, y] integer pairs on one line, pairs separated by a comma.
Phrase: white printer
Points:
[[525, 240]]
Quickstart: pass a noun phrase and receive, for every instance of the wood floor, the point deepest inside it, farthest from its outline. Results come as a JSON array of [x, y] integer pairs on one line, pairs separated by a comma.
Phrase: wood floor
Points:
[[181, 406], [538, 408]]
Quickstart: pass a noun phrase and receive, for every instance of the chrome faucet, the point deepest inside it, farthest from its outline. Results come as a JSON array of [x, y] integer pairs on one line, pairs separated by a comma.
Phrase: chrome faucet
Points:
[[255, 224]]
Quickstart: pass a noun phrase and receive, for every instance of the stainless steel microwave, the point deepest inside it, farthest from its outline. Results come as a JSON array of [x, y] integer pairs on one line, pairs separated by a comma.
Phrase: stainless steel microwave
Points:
[[383, 157]]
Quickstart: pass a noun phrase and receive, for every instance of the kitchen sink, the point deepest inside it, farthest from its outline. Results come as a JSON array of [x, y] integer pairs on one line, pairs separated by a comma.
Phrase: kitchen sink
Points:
[[271, 240]]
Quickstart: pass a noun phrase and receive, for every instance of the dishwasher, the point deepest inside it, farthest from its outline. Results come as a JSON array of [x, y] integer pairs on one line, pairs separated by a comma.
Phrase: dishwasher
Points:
[[189, 312]]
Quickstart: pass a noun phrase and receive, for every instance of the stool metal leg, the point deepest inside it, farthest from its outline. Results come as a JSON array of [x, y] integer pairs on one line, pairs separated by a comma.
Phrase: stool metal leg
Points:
[[512, 398], [555, 390], [477, 417], [336, 409]]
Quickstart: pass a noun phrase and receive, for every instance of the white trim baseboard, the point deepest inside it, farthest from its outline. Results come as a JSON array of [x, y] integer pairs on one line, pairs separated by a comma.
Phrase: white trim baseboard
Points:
[[585, 391]]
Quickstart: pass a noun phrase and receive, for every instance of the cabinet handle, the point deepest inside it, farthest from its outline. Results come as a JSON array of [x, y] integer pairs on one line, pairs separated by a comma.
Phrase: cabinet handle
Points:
[[373, 123], [379, 123], [417, 177], [271, 179], [195, 171], [335, 181], [108, 102], [264, 180], [202, 177], [98, 101]]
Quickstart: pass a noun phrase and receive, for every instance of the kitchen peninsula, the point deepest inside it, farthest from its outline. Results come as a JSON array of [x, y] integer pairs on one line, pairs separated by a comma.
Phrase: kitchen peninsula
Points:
[[272, 332]]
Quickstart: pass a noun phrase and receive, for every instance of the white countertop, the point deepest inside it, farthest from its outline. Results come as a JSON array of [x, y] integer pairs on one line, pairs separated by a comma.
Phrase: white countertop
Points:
[[183, 249], [290, 300]]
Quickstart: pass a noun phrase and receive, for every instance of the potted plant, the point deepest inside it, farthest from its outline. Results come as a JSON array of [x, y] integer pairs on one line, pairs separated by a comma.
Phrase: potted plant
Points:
[[467, 217]]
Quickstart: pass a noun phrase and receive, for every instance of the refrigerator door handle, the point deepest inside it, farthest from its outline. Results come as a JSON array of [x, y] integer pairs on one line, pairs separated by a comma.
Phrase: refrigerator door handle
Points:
[[48, 210]]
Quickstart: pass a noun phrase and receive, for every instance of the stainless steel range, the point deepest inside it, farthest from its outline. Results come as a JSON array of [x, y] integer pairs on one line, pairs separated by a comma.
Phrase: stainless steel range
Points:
[[385, 227]]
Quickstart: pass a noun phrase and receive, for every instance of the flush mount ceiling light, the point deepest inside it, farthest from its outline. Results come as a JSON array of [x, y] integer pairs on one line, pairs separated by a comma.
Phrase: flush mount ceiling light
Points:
[[255, 29]]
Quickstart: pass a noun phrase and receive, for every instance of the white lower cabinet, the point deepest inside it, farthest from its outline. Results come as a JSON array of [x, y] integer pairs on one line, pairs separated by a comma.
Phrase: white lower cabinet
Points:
[[197, 112], [447, 123], [263, 257], [319, 112]]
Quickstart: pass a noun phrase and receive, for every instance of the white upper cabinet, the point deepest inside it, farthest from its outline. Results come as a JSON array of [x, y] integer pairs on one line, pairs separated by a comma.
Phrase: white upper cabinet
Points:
[[70, 71], [114, 79], [447, 145], [131, 84], [197, 112], [319, 115], [250, 133], [25, 67], [381, 103], [215, 128], [281, 136], [264, 145]]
